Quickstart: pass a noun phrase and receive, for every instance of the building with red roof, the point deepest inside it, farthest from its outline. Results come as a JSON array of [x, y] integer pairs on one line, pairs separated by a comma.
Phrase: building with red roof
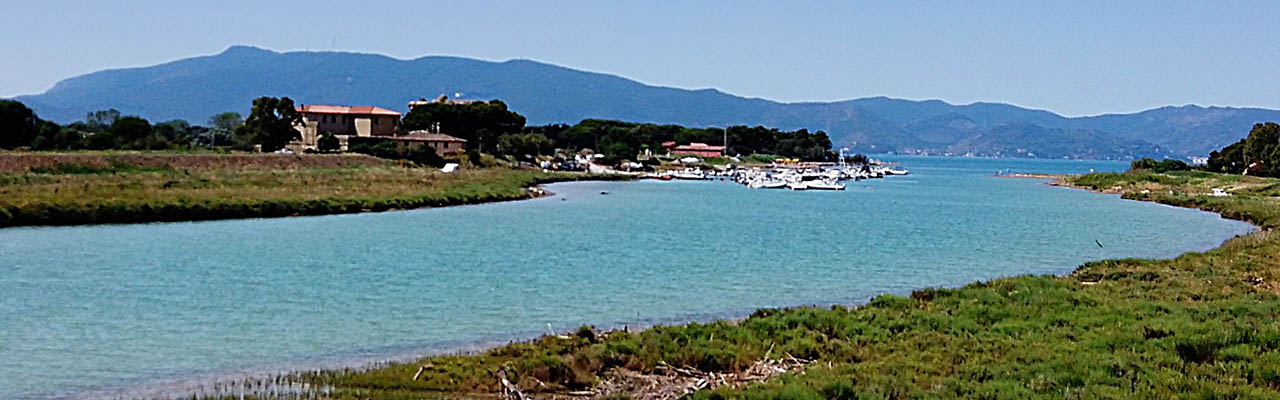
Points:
[[697, 149], [359, 121]]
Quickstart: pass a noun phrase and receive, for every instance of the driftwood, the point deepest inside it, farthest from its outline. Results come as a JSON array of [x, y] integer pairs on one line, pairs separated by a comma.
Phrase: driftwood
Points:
[[422, 369], [671, 382]]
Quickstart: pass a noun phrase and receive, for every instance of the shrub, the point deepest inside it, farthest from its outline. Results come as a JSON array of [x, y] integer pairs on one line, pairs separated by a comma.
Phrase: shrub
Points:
[[420, 155], [328, 143]]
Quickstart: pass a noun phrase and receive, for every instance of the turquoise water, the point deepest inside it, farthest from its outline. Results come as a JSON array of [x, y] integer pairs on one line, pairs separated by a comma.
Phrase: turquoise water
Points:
[[117, 310]]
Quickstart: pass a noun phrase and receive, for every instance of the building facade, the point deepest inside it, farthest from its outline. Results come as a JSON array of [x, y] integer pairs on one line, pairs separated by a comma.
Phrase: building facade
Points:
[[443, 144], [359, 121], [697, 149]]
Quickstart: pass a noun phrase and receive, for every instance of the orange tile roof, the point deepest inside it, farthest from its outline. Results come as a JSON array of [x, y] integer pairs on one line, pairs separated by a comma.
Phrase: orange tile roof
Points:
[[356, 110], [429, 137], [699, 146]]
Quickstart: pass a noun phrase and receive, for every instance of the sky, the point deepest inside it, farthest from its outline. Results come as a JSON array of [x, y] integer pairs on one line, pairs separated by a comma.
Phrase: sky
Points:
[[1071, 57]]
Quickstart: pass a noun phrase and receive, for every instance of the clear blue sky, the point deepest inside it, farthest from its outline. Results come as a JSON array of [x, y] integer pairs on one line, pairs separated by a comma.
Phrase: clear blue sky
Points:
[[1071, 57]]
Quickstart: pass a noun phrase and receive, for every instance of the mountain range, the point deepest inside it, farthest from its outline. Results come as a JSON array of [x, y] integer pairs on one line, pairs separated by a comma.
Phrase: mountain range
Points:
[[197, 88]]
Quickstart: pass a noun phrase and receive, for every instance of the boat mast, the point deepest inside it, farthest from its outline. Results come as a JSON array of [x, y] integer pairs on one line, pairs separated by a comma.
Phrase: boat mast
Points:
[[726, 141]]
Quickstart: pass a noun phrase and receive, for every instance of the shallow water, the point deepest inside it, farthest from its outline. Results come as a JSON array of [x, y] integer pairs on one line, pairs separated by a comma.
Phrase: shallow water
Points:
[[109, 309]]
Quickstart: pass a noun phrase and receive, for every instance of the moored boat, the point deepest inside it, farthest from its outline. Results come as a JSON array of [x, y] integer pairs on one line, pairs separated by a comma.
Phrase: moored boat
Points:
[[825, 184]]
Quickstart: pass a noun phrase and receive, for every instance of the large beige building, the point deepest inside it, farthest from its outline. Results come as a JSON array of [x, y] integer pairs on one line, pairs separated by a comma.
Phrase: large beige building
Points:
[[344, 121], [367, 125]]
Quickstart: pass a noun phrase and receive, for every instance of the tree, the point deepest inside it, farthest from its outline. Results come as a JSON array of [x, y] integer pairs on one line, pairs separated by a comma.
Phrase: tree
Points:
[[1228, 161], [525, 145], [328, 143], [1169, 165], [1260, 145], [270, 123], [18, 125], [99, 121], [133, 133], [859, 159], [54, 137], [479, 122], [1143, 163], [222, 129], [227, 121], [421, 155], [175, 132]]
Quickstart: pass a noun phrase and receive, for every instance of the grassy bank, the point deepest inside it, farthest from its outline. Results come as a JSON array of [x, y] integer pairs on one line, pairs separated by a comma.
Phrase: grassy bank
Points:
[[24, 161], [148, 191], [1203, 325]]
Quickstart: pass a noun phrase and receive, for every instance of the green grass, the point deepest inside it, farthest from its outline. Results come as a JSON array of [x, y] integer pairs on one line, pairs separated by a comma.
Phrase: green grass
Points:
[[78, 194], [1203, 325], [85, 169], [760, 158]]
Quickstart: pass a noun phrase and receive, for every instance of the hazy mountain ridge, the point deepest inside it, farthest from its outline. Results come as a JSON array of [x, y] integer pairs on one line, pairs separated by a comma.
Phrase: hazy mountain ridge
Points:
[[196, 88]]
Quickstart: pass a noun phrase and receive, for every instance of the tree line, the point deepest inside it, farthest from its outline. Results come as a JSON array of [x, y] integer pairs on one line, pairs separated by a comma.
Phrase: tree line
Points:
[[488, 126], [269, 125], [1258, 153]]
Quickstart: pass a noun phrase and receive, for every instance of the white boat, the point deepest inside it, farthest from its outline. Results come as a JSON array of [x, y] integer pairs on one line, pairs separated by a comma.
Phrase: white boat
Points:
[[766, 184], [825, 184], [896, 171], [801, 185], [689, 176]]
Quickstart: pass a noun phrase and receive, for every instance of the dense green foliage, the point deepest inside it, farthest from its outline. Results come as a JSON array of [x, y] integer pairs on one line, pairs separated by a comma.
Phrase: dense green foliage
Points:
[[1204, 325], [525, 145], [489, 127], [623, 140], [222, 128], [1166, 165], [271, 122], [108, 129], [1259, 153], [479, 122], [328, 143], [421, 155], [18, 125]]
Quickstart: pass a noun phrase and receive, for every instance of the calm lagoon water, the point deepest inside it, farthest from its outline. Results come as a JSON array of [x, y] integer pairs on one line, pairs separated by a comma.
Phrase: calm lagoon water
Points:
[[106, 310]]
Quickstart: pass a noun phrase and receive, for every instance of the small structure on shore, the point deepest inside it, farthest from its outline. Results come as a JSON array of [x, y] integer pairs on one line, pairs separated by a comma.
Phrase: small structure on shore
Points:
[[697, 149]]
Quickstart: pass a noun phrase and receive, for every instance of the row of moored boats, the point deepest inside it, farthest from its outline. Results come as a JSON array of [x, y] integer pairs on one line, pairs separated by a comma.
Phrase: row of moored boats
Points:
[[815, 178]]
